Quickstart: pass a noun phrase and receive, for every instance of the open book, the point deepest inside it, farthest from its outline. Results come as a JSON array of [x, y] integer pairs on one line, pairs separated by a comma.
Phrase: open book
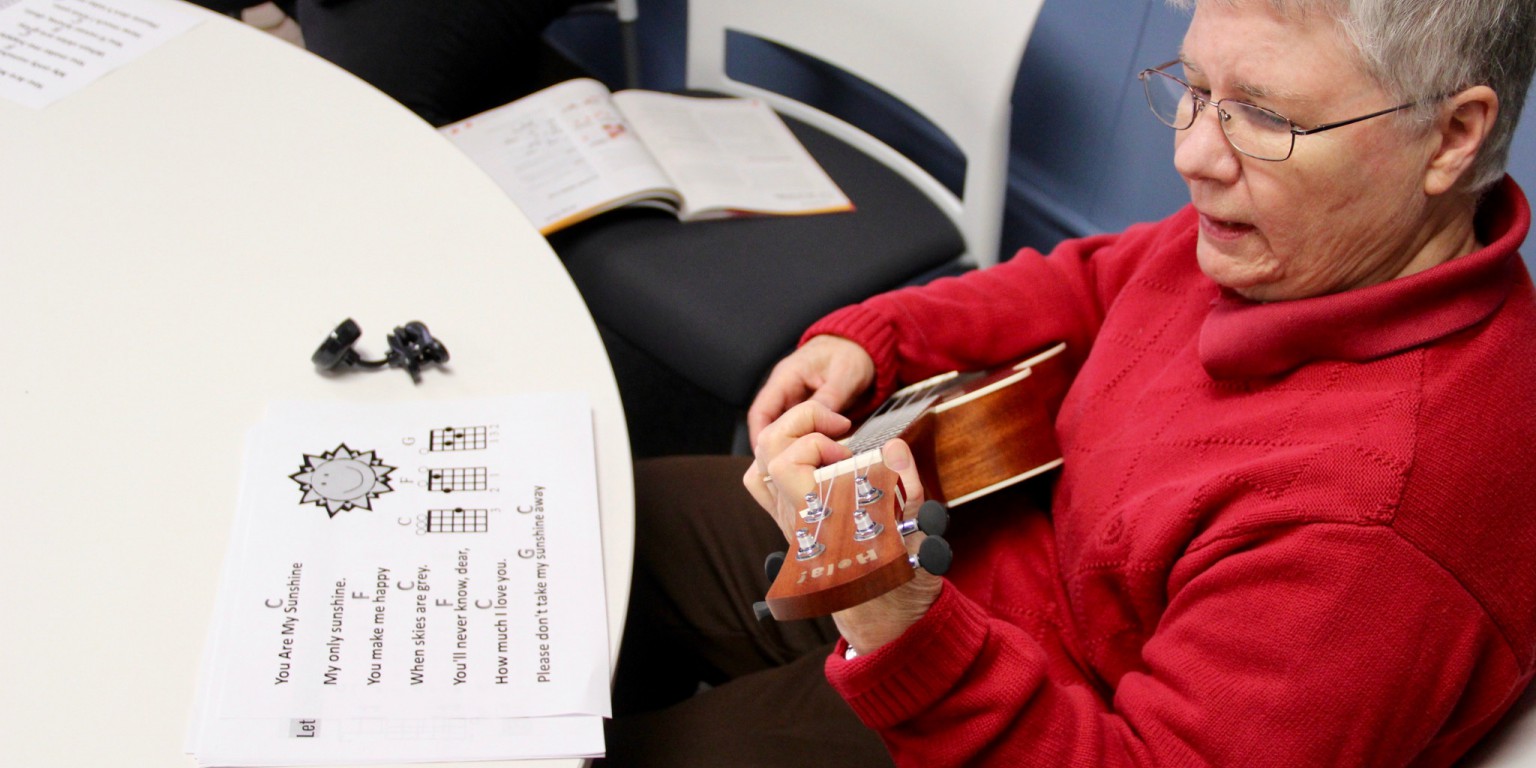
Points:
[[575, 150]]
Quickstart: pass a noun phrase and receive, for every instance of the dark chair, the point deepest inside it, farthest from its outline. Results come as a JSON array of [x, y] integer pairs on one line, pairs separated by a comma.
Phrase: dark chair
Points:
[[696, 314]]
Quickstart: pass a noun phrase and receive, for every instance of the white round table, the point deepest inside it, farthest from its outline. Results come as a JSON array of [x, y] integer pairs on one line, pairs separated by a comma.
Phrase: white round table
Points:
[[175, 241]]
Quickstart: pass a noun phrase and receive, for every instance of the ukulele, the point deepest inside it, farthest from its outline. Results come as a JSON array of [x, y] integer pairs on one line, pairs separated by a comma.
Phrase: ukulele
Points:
[[971, 434]]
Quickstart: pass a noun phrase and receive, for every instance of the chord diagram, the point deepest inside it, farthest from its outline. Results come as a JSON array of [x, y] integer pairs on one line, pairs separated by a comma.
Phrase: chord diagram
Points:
[[456, 520], [458, 439], [452, 479]]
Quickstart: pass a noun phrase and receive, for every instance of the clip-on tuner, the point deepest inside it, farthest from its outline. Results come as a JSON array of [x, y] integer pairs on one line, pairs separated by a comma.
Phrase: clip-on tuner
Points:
[[411, 346]]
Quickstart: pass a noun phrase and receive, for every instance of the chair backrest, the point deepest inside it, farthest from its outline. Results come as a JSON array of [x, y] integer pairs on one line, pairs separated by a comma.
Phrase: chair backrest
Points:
[[952, 62], [627, 12]]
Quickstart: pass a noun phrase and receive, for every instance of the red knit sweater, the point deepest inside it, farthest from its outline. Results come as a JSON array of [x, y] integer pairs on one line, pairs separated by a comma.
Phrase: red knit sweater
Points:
[[1290, 534]]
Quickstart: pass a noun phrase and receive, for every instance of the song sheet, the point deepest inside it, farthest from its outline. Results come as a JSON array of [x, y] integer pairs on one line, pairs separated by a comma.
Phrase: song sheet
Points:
[[418, 581], [52, 48]]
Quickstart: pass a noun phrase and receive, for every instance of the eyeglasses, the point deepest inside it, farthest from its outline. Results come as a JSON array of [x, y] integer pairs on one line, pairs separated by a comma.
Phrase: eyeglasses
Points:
[[1257, 132]]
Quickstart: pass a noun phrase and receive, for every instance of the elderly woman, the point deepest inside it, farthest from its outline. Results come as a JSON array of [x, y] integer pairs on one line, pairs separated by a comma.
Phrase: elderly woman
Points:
[[1293, 525]]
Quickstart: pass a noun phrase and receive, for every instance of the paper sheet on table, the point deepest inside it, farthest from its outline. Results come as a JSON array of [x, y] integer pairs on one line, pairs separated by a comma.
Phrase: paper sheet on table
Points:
[[427, 571], [360, 742], [52, 48]]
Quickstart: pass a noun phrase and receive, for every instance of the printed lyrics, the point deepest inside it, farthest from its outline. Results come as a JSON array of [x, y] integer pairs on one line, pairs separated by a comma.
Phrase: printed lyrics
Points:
[[419, 625]]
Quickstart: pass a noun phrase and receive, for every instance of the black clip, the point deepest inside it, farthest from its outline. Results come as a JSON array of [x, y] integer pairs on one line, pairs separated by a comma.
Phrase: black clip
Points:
[[411, 346]]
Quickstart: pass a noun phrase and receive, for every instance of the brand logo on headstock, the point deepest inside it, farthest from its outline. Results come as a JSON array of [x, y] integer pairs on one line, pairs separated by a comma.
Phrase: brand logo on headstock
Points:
[[866, 557]]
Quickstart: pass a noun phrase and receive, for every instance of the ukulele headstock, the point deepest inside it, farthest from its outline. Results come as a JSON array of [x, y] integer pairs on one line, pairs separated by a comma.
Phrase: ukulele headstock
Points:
[[849, 543]]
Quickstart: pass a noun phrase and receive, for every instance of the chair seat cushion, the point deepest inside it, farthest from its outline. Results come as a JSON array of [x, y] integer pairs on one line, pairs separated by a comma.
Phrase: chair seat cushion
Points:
[[719, 302]]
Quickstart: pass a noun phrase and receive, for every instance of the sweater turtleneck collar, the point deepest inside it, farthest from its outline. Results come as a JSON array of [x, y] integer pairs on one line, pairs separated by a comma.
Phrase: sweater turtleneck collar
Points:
[[1247, 339]]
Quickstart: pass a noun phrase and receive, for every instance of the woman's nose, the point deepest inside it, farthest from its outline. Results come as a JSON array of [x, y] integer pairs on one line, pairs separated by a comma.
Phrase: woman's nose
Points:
[[1202, 151]]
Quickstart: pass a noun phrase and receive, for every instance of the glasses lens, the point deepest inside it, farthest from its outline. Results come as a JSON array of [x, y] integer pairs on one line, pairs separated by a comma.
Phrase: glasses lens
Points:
[[1169, 99], [1256, 131]]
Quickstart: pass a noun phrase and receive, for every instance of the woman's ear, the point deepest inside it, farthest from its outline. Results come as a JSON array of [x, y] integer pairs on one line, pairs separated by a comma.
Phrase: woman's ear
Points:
[[1465, 120]]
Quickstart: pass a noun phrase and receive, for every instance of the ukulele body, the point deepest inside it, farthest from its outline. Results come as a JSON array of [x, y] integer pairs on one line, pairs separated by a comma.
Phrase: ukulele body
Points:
[[993, 431]]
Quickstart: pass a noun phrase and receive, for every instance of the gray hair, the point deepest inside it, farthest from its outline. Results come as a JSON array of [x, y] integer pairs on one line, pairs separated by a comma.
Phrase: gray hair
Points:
[[1421, 49]]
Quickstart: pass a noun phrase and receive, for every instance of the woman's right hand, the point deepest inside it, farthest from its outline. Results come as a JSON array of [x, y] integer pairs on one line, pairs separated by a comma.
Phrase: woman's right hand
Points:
[[830, 370]]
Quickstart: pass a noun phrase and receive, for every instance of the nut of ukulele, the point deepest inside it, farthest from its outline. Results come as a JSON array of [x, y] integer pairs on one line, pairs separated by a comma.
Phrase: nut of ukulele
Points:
[[933, 556]]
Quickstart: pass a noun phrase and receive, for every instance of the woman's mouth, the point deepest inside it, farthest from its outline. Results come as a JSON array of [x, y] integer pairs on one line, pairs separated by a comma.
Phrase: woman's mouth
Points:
[[1222, 229]]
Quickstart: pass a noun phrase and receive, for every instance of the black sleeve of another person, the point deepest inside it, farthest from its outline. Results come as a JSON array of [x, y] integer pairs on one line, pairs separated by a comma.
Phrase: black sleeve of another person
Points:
[[443, 59]]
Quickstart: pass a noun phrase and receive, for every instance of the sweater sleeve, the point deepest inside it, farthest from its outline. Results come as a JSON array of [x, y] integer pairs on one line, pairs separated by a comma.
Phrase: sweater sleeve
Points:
[[1327, 644], [991, 316]]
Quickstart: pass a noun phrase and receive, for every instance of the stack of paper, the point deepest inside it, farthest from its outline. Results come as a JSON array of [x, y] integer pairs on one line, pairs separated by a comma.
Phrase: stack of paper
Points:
[[411, 582], [52, 48]]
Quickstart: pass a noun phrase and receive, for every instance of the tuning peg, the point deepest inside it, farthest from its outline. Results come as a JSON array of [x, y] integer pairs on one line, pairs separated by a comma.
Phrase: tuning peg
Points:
[[864, 526], [772, 564], [807, 546], [867, 494], [932, 518], [815, 511], [933, 556]]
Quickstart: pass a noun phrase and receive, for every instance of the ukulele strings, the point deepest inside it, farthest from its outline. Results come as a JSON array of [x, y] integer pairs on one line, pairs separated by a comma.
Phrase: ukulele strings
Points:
[[893, 417], [888, 421], [824, 492]]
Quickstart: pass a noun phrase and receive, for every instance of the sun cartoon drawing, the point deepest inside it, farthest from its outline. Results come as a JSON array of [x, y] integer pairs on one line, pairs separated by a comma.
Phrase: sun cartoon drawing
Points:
[[342, 479]]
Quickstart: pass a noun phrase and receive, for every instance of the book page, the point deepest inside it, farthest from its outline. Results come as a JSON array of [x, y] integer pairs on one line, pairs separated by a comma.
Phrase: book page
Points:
[[563, 154], [730, 156]]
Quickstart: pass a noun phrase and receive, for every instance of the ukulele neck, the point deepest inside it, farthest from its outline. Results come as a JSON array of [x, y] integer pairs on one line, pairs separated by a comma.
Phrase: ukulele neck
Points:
[[901, 409]]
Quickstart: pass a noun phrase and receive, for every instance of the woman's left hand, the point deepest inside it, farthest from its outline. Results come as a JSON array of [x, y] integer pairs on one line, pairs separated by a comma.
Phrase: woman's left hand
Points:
[[788, 453]]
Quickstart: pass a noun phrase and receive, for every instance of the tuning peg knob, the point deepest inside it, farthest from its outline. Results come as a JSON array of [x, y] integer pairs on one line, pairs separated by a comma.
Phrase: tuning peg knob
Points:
[[933, 556], [932, 518], [772, 564], [760, 610]]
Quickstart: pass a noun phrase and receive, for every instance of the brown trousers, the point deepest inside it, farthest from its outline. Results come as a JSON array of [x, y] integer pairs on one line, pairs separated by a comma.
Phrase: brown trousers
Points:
[[700, 681]]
